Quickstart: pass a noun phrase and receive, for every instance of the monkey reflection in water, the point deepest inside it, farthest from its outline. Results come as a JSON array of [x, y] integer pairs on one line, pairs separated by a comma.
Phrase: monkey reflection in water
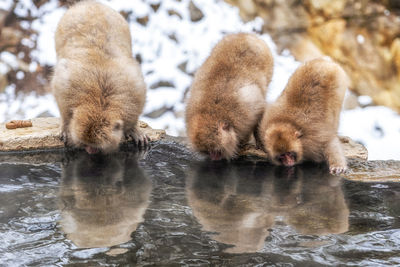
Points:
[[240, 201], [102, 199]]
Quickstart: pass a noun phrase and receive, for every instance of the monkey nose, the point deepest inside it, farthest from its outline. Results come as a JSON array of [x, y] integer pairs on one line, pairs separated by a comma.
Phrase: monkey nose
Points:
[[288, 159], [215, 155], [91, 150]]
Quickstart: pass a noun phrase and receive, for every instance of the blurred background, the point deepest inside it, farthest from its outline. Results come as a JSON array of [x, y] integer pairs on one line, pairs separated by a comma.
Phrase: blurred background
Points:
[[171, 39]]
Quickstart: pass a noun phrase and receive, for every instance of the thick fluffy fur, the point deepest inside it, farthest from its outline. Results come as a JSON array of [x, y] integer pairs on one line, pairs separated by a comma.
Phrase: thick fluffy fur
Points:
[[302, 124], [233, 201], [102, 198], [227, 97], [98, 85], [242, 201]]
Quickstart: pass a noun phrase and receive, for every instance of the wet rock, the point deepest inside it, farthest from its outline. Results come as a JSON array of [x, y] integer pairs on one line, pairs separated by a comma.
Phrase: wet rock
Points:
[[351, 149], [374, 171], [45, 134], [178, 147], [40, 144], [195, 13]]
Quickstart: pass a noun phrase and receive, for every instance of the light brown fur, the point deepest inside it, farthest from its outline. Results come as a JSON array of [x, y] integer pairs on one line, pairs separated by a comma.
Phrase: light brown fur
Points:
[[305, 118], [102, 199], [242, 202], [98, 86], [227, 97]]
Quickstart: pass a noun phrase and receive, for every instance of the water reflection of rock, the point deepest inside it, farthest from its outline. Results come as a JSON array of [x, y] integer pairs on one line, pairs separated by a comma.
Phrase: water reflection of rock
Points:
[[241, 201], [103, 199]]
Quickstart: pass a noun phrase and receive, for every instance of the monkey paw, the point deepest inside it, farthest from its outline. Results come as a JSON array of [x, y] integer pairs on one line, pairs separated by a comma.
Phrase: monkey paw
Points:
[[140, 139], [337, 169], [64, 138]]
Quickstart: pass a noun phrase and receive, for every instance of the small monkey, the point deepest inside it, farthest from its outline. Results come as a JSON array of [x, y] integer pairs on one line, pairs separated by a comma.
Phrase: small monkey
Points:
[[302, 124], [98, 85], [227, 97], [102, 199]]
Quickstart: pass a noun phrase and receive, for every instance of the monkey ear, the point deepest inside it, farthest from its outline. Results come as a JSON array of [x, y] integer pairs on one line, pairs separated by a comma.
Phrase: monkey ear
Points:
[[298, 134], [118, 125]]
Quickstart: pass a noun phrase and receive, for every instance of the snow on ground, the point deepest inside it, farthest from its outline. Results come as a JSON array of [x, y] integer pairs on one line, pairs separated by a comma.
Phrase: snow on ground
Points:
[[378, 128], [25, 106], [172, 47]]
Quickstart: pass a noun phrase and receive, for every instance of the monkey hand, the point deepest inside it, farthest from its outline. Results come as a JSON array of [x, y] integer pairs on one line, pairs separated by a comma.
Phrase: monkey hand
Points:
[[138, 137], [337, 169]]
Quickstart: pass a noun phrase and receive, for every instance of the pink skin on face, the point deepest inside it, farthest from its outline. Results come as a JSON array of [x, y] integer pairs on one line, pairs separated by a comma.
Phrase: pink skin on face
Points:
[[215, 155], [91, 150], [288, 159]]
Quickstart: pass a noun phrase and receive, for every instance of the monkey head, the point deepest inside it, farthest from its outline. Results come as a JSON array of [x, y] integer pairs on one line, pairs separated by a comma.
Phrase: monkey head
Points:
[[283, 144], [96, 131], [217, 139]]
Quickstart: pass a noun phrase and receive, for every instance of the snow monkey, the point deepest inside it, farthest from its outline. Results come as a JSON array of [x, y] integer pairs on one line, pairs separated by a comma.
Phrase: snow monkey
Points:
[[227, 97], [98, 85], [302, 124]]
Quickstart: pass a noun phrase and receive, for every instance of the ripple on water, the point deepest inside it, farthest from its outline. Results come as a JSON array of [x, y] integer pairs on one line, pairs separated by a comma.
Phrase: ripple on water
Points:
[[170, 208]]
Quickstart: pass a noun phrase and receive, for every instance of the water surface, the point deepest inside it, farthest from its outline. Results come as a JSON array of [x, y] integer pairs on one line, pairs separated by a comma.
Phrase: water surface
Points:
[[168, 207]]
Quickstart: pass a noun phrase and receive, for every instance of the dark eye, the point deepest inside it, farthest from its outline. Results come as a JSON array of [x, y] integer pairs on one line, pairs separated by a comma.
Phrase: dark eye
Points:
[[226, 126], [117, 126], [298, 134]]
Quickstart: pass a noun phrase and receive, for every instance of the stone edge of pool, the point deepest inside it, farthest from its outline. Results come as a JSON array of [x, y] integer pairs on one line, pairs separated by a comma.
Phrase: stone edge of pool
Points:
[[41, 144]]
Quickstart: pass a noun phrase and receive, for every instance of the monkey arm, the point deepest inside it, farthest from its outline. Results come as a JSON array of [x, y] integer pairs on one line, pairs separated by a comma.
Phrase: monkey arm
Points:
[[335, 157]]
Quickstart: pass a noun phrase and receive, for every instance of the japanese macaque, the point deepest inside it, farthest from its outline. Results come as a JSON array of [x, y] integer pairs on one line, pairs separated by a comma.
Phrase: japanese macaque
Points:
[[302, 124], [243, 202], [233, 201], [315, 202], [102, 198], [227, 97], [98, 85]]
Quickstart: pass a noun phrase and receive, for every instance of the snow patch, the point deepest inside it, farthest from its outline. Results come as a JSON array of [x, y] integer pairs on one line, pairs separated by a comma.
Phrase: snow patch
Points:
[[378, 128]]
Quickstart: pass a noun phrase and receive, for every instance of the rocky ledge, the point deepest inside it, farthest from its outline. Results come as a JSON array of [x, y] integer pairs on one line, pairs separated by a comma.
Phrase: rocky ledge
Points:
[[44, 135]]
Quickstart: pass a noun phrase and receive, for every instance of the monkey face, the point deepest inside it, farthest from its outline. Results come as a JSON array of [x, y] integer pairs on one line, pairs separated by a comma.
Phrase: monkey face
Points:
[[96, 132], [217, 140], [283, 144], [287, 158]]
